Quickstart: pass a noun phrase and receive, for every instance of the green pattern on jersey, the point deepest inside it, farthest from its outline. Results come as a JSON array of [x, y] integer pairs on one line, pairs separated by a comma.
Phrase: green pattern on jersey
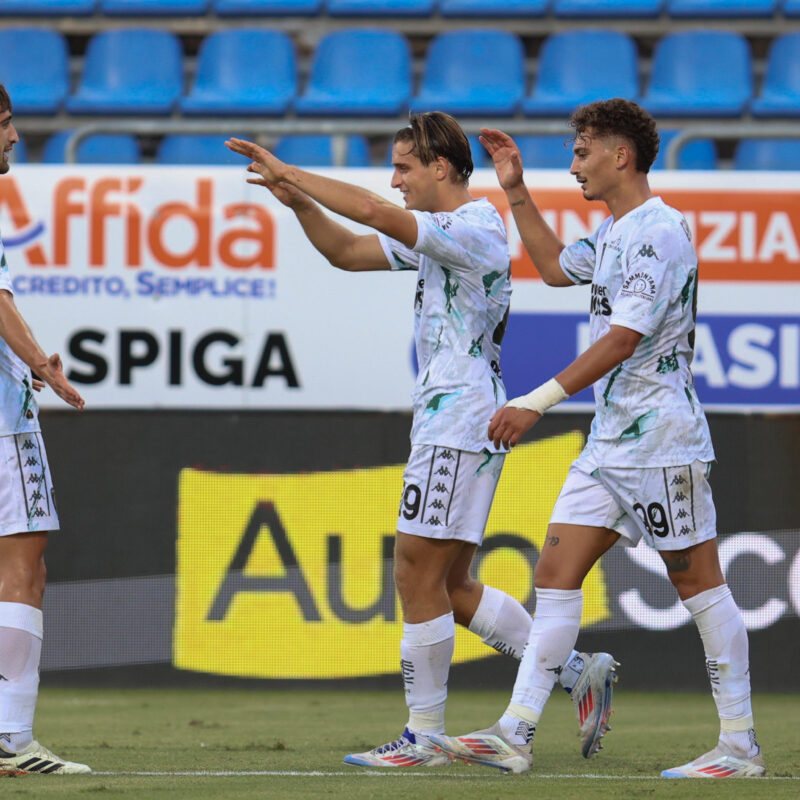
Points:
[[491, 279], [439, 401], [475, 348], [639, 426], [450, 289], [687, 290], [610, 383], [668, 363]]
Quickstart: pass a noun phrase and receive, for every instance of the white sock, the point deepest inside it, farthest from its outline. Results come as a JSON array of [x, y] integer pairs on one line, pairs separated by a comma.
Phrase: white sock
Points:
[[20, 650], [426, 651], [553, 634], [724, 636], [501, 622], [573, 669]]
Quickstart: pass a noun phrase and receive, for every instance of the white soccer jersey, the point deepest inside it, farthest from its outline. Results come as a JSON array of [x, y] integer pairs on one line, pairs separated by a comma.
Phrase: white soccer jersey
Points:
[[643, 271], [18, 410], [461, 309]]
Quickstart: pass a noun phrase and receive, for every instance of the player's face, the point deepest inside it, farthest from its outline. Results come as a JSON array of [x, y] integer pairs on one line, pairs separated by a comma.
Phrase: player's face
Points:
[[8, 138], [416, 182], [594, 165]]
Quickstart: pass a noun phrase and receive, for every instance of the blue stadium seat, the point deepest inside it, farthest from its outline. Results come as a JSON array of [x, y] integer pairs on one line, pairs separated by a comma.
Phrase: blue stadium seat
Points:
[[471, 72], [545, 151], [604, 9], [705, 9], [780, 95], [770, 154], [700, 73], [100, 148], [243, 71], [30, 8], [244, 8], [695, 154], [130, 71], [494, 8], [36, 85], [198, 149], [564, 81], [480, 158], [341, 86], [153, 8], [319, 151], [791, 8], [19, 153], [380, 8]]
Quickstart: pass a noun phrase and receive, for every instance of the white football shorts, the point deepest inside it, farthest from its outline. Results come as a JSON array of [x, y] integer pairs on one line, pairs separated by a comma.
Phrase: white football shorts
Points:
[[27, 498], [447, 493], [671, 507]]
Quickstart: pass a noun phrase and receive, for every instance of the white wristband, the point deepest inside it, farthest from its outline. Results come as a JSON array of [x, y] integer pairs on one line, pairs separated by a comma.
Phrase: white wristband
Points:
[[541, 398]]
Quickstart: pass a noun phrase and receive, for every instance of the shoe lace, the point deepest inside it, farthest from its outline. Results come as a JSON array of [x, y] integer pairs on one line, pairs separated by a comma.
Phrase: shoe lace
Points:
[[390, 747]]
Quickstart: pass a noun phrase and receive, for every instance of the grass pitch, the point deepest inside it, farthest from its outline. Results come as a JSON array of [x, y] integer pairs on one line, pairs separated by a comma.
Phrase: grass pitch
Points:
[[177, 744]]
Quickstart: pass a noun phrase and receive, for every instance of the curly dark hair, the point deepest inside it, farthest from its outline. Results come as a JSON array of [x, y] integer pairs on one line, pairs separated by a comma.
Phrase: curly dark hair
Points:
[[5, 100], [435, 134], [623, 118]]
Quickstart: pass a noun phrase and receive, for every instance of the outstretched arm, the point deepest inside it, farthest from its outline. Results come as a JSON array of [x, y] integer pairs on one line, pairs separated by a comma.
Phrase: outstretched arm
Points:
[[343, 248], [342, 198], [539, 239], [19, 338], [519, 415]]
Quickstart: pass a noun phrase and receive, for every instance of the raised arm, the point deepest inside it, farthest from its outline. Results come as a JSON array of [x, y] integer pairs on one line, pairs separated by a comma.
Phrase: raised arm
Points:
[[537, 236], [342, 198], [19, 338]]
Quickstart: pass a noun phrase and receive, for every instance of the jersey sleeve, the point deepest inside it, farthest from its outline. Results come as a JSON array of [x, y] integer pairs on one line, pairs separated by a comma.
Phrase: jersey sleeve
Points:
[[577, 260], [655, 258], [462, 242], [400, 257]]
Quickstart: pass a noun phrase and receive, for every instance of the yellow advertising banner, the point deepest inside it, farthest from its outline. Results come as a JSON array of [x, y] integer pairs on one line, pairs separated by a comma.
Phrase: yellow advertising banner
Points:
[[289, 576]]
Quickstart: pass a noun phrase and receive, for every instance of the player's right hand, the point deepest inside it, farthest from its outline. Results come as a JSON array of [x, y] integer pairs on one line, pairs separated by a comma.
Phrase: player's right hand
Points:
[[509, 423], [52, 373], [505, 156]]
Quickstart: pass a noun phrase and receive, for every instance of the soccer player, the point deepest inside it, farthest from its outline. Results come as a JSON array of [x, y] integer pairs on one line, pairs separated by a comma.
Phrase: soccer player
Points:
[[458, 246], [644, 470], [27, 513]]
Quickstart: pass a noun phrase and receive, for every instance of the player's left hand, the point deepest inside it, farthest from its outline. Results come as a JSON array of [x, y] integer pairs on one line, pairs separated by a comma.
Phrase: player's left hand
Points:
[[265, 164], [38, 385], [508, 424]]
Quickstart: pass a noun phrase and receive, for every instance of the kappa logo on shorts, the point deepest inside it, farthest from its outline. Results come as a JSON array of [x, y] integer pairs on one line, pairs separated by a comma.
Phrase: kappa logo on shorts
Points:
[[447, 455], [443, 471], [441, 488]]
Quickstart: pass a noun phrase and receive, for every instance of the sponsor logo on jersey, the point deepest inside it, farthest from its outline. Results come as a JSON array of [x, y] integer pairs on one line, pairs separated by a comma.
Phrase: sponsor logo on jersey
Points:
[[639, 284]]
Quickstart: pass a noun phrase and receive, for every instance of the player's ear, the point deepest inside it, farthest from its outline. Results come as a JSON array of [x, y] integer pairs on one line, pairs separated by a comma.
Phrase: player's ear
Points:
[[442, 168], [624, 155]]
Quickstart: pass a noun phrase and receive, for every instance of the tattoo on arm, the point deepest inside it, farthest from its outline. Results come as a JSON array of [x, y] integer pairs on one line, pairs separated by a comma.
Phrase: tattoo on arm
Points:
[[520, 202], [677, 562], [552, 540]]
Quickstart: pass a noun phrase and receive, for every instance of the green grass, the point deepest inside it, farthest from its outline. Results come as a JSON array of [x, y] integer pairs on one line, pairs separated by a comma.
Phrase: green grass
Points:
[[170, 731]]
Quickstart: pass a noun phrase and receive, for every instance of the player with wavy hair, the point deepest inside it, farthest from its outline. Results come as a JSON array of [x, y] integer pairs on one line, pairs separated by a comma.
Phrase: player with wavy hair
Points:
[[457, 245], [644, 471]]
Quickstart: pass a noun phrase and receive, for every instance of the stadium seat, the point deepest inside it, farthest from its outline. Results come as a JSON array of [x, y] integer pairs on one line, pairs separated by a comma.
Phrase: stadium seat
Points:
[[380, 8], [603, 9], [780, 94], [36, 85], [130, 71], [494, 8], [564, 82], [341, 86], [473, 72], [153, 8], [705, 9], [700, 73], [695, 154], [100, 148], [243, 71], [254, 8], [198, 149], [320, 151], [480, 158], [769, 154], [791, 8], [545, 151], [30, 8]]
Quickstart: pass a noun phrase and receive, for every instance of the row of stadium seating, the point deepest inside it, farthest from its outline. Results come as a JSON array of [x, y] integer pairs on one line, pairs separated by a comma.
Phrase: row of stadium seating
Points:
[[538, 152], [411, 8], [368, 72]]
